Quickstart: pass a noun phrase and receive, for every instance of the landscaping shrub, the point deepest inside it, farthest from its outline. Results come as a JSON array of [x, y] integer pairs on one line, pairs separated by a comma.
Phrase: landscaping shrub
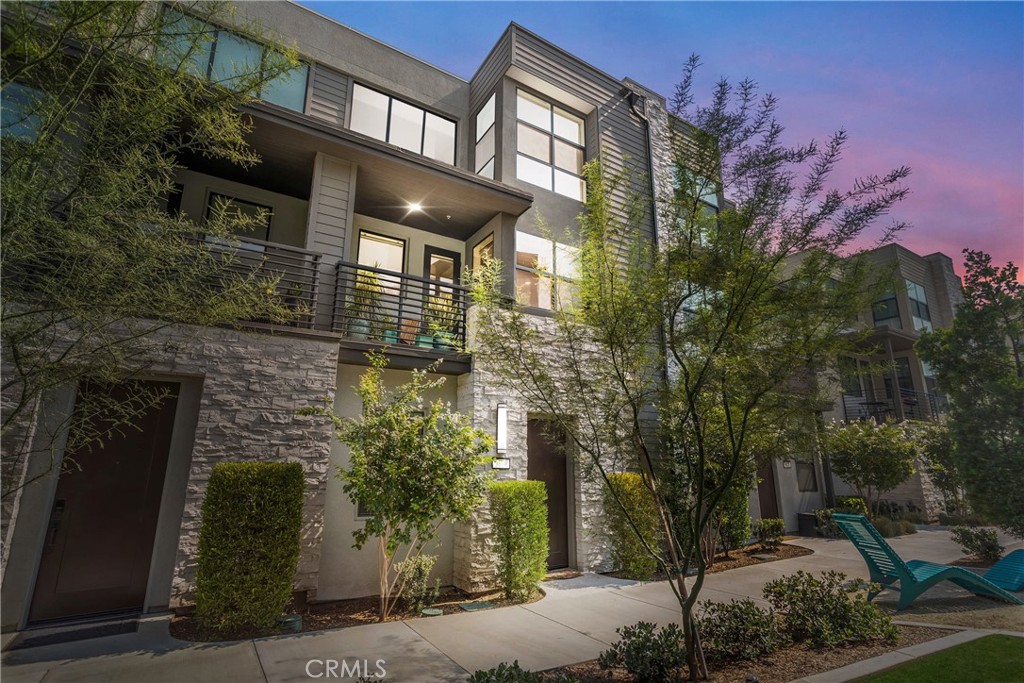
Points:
[[739, 629], [890, 528], [513, 673], [961, 519], [519, 513], [823, 612], [651, 654], [628, 552], [417, 592], [248, 545], [853, 505], [770, 531], [982, 543], [734, 518]]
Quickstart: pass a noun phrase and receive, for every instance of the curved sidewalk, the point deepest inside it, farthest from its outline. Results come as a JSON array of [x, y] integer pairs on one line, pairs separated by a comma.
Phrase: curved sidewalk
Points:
[[575, 622]]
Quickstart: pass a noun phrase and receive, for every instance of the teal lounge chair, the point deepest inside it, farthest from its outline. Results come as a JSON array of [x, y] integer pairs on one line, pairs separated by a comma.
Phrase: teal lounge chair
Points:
[[916, 576], [1008, 573]]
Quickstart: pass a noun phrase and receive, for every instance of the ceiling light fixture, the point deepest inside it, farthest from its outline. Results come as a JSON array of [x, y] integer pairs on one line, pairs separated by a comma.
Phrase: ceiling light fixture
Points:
[[414, 206]]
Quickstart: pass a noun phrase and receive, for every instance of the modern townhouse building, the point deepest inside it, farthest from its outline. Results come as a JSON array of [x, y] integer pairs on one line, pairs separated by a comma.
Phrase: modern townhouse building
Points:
[[382, 177], [884, 380]]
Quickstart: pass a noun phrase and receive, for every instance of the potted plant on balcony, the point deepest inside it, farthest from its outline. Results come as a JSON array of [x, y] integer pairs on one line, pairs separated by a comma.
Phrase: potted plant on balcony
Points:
[[364, 307], [442, 317]]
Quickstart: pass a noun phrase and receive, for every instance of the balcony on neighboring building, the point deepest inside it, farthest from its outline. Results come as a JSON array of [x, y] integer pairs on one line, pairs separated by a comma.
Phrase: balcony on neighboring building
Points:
[[882, 405]]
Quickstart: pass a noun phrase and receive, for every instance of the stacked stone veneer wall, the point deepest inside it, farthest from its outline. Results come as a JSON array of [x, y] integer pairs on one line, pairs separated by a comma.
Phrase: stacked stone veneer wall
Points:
[[479, 393], [252, 385]]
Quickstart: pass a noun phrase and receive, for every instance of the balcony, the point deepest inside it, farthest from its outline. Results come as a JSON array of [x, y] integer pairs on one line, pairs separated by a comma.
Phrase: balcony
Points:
[[879, 406], [297, 272], [376, 305]]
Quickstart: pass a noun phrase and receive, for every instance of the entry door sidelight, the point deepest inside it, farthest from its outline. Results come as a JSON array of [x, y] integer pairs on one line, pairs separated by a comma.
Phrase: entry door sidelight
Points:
[[99, 540]]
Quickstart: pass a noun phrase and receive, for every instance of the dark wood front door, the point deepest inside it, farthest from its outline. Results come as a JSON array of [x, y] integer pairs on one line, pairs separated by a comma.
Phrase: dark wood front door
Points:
[[547, 462], [766, 498], [100, 536]]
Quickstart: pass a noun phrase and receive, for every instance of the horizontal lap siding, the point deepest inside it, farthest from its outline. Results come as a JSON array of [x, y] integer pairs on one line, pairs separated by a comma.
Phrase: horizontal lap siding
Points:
[[330, 93], [487, 77], [621, 137]]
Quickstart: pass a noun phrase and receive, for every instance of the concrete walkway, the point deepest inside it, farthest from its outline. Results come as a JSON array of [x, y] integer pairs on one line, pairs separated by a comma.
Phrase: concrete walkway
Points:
[[574, 622]]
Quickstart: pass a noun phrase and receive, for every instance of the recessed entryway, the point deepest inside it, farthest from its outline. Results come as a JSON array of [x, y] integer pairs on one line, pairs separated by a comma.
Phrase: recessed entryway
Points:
[[547, 461], [99, 540]]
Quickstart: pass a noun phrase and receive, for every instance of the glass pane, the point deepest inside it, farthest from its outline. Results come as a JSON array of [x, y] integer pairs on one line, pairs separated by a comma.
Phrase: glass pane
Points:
[[568, 126], [485, 118], [483, 250], [806, 480], [531, 141], [533, 172], [442, 268], [18, 106], [439, 139], [381, 252], [533, 289], [533, 251], [369, 112], [566, 261], [533, 110], [185, 43], [235, 59], [288, 90], [568, 157], [237, 209], [570, 185], [488, 170], [565, 292], [485, 149], [406, 126]]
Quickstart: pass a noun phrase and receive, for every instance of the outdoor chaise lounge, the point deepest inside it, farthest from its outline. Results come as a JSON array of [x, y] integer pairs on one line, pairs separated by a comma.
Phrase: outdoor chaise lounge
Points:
[[1008, 573], [916, 576]]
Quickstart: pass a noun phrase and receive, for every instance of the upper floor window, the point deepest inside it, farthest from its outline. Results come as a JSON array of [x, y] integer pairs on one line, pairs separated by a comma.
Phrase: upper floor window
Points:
[[19, 112], [550, 147], [485, 139], [545, 271], [402, 124], [227, 59], [919, 307], [886, 312]]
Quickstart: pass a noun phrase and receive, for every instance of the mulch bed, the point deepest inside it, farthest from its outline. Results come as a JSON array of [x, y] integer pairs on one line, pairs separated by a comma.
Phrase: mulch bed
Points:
[[339, 614], [744, 558], [972, 561], [785, 665]]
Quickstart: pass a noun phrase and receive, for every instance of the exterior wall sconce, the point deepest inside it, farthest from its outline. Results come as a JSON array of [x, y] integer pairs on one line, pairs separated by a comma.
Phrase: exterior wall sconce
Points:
[[501, 439]]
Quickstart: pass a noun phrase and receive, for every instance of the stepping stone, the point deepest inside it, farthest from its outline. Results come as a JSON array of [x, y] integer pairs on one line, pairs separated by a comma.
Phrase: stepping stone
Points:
[[431, 612], [765, 556], [476, 606]]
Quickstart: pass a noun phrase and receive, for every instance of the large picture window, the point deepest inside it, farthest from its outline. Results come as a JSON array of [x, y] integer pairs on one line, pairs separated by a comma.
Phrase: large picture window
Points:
[[550, 147], [226, 58], [885, 312], [402, 124], [919, 311], [545, 272]]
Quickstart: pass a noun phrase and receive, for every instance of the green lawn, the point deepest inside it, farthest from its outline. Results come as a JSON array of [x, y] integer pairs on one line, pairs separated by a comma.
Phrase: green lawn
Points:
[[992, 659]]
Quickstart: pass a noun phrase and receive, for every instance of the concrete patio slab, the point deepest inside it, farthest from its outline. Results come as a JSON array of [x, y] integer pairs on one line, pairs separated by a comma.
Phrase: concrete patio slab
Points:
[[600, 614], [482, 640], [210, 663], [403, 653]]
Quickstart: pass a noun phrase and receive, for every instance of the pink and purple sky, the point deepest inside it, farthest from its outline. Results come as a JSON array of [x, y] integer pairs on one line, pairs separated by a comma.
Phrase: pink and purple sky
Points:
[[935, 86]]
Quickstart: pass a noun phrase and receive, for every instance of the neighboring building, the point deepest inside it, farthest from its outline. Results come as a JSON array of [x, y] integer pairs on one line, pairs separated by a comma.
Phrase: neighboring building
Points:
[[885, 379], [373, 162]]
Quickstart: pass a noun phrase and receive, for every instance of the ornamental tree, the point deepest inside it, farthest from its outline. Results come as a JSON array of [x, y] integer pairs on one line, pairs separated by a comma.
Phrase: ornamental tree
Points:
[[979, 364], [874, 457], [100, 103], [414, 465], [712, 331]]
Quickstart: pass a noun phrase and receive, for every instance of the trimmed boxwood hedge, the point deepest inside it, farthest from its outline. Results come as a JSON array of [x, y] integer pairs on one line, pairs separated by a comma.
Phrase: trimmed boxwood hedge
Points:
[[628, 553], [519, 512], [248, 545]]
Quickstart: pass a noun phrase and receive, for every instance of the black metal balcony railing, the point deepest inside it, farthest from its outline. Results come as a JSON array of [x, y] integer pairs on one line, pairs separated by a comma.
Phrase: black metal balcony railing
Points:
[[374, 304], [297, 271], [880, 405]]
